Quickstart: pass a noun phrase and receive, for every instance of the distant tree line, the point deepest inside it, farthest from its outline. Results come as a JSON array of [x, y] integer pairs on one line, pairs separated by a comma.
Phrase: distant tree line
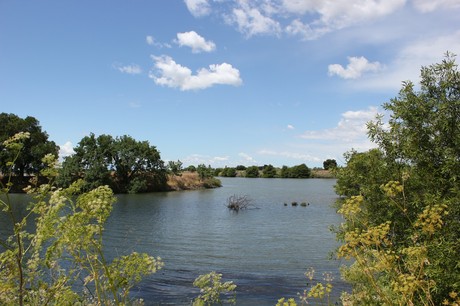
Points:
[[122, 163], [265, 171]]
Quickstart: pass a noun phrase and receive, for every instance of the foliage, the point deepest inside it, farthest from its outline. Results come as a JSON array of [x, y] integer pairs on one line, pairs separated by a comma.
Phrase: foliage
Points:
[[37, 145], [228, 172], [211, 182], [191, 168], [204, 172], [329, 164], [299, 171], [268, 171], [211, 289], [319, 292], [252, 172], [175, 167], [46, 263], [126, 165], [401, 203]]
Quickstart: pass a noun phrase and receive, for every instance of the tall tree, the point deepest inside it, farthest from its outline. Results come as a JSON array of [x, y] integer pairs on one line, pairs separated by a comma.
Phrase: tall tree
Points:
[[123, 163], [402, 200], [252, 172], [268, 171], [329, 164], [35, 147]]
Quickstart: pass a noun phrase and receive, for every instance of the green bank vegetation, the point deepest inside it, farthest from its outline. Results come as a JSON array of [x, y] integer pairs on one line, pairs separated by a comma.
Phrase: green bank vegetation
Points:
[[400, 203], [269, 171], [123, 163]]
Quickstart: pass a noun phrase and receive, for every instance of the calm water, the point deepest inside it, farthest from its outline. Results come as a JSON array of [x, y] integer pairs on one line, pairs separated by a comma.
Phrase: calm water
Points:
[[265, 251]]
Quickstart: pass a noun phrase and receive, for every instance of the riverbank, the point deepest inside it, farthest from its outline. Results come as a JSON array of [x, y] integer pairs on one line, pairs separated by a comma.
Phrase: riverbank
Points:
[[186, 181], [191, 181]]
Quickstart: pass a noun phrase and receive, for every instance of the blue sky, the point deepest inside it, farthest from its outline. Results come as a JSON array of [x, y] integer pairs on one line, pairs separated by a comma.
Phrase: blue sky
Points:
[[218, 82]]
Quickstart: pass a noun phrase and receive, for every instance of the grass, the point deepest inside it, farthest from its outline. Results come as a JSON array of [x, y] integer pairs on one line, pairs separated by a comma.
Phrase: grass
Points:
[[191, 181]]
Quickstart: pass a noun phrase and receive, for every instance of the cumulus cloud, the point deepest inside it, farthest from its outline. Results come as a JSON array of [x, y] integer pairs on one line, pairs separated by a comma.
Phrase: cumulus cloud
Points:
[[196, 42], [129, 69], [291, 155], [150, 40], [246, 157], [290, 127], [407, 63], [66, 150], [198, 8], [168, 73], [308, 19], [351, 127], [251, 21], [355, 68], [198, 159]]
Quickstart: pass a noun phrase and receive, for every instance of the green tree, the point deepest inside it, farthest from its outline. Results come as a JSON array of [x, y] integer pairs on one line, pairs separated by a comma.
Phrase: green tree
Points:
[[43, 264], [136, 165], [269, 171], [285, 172], [204, 172], [300, 171], [252, 172], [123, 163], [329, 164], [228, 172], [175, 167], [29, 160], [401, 202], [91, 161], [191, 168]]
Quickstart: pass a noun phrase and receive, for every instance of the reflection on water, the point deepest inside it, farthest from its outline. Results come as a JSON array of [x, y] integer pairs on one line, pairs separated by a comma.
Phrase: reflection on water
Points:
[[264, 251]]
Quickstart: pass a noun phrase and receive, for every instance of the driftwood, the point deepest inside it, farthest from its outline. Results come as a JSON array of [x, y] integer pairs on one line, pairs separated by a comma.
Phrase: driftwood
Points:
[[239, 202]]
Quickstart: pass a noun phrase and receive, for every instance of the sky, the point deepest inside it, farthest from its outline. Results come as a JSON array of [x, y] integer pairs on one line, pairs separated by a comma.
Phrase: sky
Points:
[[218, 82]]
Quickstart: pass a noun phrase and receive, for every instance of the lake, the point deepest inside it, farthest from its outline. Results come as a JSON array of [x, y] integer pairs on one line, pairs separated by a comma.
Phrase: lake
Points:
[[265, 251]]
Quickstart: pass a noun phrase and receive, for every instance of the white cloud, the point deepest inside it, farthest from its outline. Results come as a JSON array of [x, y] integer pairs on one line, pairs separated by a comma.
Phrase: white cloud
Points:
[[150, 40], [350, 128], [308, 19], [291, 155], [197, 159], [66, 150], [251, 21], [169, 73], [290, 127], [355, 68], [305, 31], [196, 42], [246, 157], [198, 8], [129, 69], [426, 6], [409, 60]]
